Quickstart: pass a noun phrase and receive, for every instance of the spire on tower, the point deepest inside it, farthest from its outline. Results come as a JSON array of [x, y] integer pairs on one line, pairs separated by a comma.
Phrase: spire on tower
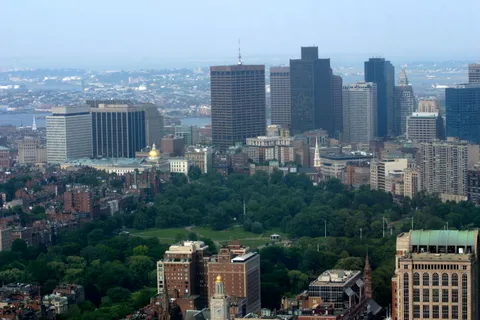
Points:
[[240, 62], [316, 160], [402, 78], [34, 124], [367, 278]]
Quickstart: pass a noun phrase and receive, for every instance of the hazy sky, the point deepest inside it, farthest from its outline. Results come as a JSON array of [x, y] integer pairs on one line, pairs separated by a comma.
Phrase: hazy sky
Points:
[[165, 32]]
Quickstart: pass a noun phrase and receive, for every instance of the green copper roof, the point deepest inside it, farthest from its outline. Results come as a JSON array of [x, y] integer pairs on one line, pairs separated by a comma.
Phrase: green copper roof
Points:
[[443, 238]]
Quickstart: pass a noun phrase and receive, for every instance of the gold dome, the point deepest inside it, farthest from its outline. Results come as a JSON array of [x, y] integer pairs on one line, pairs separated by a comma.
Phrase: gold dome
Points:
[[219, 278], [154, 152]]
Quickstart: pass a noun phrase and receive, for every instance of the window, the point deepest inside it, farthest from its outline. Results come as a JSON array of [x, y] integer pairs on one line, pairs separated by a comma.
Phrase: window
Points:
[[416, 295], [464, 296], [444, 312], [454, 280], [444, 279], [435, 312], [416, 311], [426, 295], [426, 279], [416, 279], [406, 305], [444, 295], [454, 295], [426, 311], [454, 312], [435, 279], [435, 295]]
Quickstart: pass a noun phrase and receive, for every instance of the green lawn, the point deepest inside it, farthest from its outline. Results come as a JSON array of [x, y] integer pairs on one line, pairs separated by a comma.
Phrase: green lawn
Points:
[[162, 234]]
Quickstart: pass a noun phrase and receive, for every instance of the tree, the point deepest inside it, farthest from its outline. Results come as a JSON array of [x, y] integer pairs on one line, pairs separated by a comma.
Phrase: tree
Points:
[[20, 246], [141, 250], [194, 173]]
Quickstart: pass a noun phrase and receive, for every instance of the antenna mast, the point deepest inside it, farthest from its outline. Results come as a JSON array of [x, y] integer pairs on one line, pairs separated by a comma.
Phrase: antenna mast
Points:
[[239, 54]]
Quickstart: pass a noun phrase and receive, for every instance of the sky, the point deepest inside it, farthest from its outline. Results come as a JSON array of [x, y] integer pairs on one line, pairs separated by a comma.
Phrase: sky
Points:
[[108, 33]]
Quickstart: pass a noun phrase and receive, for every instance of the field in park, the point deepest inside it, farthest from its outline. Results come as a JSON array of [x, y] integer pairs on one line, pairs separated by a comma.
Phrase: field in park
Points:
[[220, 237]]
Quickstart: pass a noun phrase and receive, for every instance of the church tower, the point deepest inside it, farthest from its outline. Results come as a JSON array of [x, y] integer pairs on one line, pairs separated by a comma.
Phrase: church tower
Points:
[[316, 160], [219, 303], [367, 278]]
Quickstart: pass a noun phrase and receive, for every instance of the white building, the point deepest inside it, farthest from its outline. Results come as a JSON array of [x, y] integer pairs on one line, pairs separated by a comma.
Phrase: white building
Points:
[[180, 165], [69, 134], [359, 112]]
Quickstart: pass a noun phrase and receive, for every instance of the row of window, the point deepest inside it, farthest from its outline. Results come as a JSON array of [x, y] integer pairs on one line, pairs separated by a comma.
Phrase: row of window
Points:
[[435, 295], [436, 279], [436, 267], [435, 312]]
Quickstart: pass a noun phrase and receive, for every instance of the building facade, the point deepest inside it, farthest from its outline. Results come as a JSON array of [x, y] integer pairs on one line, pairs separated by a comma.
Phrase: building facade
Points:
[[238, 104], [4, 157], [30, 151], [337, 101], [381, 169], [359, 112], [425, 127], [172, 145], [190, 134], [5, 239], [428, 106], [382, 73], [69, 134], [436, 275], [474, 73], [280, 96], [200, 157], [404, 103], [411, 182], [311, 93], [444, 166], [462, 105]]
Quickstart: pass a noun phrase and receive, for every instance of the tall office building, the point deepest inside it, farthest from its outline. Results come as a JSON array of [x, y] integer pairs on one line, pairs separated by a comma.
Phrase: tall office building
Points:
[[30, 151], [190, 134], [425, 127], [311, 93], [436, 275], [382, 72], [69, 134], [444, 166], [95, 103], [359, 112], [463, 112], [404, 103], [238, 103], [474, 73], [280, 96], [119, 131], [429, 105], [337, 101], [380, 170]]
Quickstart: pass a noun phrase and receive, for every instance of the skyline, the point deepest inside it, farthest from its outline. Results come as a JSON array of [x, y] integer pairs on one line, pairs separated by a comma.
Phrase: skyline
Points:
[[125, 35]]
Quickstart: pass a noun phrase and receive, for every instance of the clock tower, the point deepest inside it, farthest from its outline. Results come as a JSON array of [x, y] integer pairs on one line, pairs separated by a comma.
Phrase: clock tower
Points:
[[219, 303]]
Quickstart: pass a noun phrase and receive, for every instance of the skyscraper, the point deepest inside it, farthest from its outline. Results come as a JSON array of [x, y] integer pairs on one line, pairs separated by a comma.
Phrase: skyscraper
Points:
[[425, 127], [444, 166], [337, 98], [121, 130], [359, 112], [69, 134], [436, 275], [280, 96], [463, 112], [404, 103], [238, 103], [311, 93], [382, 72], [474, 73]]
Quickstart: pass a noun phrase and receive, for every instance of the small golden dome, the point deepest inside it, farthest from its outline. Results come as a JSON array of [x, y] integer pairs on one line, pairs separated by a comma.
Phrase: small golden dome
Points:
[[154, 152], [219, 278]]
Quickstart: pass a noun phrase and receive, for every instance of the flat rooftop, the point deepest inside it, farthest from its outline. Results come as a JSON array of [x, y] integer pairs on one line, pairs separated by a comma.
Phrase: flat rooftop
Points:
[[335, 277]]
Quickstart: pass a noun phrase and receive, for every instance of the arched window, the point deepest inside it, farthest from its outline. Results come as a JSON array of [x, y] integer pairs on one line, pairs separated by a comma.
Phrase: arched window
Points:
[[464, 296], [406, 300], [416, 279], [454, 280], [426, 279], [444, 279], [435, 279]]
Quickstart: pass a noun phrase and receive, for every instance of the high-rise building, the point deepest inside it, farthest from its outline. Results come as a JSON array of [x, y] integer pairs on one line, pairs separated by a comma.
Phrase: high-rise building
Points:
[[425, 127], [473, 184], [241, 272], [311, 93], [280, 96], [404, 103], [382, 72], [69, 134], [411, 182], [172, 145], [380, 170], [474, 73], [5, 239], [359, 112], [337, 102], [121, 130], [463, 112], [95, 103], [444, 166], [238, 103], [190, 134], [436, 275], [30, 151], [428, 106]]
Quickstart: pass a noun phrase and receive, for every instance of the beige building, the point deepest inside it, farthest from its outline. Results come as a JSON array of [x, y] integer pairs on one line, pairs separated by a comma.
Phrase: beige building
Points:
[[380, 170], [200, 157], [411, 182], [30, 151], [444, 166], [436, 275], [428, 106]]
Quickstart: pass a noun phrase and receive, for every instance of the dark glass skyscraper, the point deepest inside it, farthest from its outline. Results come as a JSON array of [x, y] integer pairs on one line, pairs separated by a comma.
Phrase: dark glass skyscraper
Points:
[[238, 103], [382, 72], [337, 92], [463, 112], [311, 93]]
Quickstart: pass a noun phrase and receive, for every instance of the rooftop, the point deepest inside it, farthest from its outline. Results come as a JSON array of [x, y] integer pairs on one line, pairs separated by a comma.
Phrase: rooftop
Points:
[[443, 238], [440, 257], [425, 114], [345, 156], [335, 277]]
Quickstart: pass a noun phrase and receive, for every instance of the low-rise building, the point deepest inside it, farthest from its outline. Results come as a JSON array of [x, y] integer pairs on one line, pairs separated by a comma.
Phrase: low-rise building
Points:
[[200, 157], [180, 165]]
